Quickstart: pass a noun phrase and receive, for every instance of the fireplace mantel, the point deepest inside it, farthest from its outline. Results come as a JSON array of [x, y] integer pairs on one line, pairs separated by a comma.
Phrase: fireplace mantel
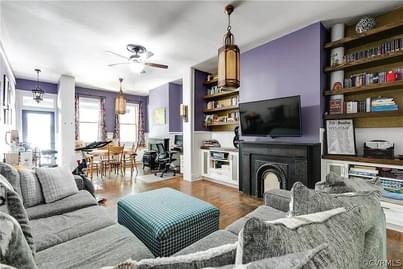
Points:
[[294, 161]]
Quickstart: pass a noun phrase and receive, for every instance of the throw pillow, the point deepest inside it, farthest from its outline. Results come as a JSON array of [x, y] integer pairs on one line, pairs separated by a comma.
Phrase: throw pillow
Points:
[[57, 183], [30, 188], [13, 206], [306, 201], [340, 228], [12, 176], [337, 184], [14, 249], [212, 257], [290, 261]]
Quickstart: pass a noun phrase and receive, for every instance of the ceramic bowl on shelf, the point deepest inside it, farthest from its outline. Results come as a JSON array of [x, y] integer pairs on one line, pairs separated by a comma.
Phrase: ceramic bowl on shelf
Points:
[[365, 24]]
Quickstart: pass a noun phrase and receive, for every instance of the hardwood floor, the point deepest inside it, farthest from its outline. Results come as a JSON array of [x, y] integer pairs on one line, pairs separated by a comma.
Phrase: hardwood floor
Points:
[[232, 204]]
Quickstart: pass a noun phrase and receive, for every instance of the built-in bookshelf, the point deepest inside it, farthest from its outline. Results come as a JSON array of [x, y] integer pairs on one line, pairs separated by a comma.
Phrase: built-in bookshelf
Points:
[[221, 111], [372, 78]]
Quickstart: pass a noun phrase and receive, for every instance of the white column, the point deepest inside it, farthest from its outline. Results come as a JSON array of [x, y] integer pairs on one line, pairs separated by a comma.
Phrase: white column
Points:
[[65, 123], [188, 127]]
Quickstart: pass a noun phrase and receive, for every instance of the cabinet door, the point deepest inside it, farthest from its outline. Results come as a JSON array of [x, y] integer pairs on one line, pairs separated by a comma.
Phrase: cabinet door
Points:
[[205, 162]]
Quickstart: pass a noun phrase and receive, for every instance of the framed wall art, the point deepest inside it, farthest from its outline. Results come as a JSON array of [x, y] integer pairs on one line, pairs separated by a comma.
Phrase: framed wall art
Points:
[[340, 137]]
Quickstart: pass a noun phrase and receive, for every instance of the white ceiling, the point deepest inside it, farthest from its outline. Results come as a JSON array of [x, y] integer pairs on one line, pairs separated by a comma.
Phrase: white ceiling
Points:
[[70, 37]]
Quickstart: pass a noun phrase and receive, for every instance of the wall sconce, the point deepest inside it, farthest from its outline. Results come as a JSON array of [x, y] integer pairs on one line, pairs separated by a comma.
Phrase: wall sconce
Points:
[[183, 112]]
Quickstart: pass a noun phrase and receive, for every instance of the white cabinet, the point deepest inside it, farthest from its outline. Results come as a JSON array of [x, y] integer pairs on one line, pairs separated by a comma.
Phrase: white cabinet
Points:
[[220, 165]]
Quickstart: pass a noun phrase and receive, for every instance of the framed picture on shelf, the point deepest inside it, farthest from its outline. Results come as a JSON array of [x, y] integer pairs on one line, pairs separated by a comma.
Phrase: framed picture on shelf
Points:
[[340, 137]]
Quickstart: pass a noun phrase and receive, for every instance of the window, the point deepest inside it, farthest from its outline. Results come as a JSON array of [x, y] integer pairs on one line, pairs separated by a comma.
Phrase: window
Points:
[[129, 124], [89, 109]]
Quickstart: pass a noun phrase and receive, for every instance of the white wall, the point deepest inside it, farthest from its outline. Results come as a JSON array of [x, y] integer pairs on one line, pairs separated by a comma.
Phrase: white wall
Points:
[[65, 105], [225, 138]]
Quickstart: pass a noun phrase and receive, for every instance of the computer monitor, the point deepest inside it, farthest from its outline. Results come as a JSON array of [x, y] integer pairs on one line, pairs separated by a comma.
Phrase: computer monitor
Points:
[[178, 141]]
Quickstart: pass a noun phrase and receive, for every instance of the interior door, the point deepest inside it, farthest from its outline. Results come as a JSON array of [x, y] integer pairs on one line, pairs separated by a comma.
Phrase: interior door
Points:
[[38, 129]]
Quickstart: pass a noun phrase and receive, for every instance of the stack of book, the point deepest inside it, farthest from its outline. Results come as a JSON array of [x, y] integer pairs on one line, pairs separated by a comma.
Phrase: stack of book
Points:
[[363, 171], [381, 104]]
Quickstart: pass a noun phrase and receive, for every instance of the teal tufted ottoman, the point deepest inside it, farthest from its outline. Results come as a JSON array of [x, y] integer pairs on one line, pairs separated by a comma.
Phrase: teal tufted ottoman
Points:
[[167, 220]]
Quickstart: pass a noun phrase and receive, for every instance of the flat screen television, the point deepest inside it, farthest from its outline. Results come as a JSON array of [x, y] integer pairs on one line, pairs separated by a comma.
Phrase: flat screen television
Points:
[[280, 117]]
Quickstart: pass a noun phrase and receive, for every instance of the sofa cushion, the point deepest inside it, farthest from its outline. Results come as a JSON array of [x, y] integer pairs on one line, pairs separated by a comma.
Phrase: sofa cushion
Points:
[[12, 176], [13, 206], [218, 256], [14, 249], [30, 188], [73, 202], [262, 212], [278, 199], [56, 183], [107, 246], [340, 228], [337, 184], [216, 239], [306, 201], [57, 229]]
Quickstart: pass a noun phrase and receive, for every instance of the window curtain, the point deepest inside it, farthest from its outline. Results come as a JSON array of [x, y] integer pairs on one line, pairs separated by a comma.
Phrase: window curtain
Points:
[[77, 117], [102, 121], [140, 137], [116, 131]]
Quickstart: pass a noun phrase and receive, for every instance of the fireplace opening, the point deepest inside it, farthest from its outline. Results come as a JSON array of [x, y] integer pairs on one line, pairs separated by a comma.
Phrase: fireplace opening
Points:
[[271, 176]]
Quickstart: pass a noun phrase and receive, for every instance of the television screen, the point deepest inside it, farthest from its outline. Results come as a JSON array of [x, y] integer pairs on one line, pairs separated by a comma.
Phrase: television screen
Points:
[[272, 117]]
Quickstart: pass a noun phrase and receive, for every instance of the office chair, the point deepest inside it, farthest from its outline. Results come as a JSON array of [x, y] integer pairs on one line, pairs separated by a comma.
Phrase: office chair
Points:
[[165, 160]]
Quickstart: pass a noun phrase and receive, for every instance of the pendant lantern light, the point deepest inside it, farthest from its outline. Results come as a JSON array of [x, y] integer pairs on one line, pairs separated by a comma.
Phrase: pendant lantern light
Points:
[[120, 101], [228, 58], [37, 93]]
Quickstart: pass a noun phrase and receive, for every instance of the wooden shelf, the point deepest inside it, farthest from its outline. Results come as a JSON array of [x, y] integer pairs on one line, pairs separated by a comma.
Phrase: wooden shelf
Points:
[[370, 88], [362, 159], [378, 33], [364, 115], [369, 62], [210, 82], [221, 94], [220, 109], [223, 123]]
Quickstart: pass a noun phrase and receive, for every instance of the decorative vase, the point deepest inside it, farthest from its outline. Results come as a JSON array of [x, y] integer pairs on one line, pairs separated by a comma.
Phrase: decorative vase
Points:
[[365, 24]]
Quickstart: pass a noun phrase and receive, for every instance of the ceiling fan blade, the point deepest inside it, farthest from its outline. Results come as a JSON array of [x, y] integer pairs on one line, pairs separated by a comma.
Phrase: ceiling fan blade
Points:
[[116, 54], [118, 64], [156, 65]]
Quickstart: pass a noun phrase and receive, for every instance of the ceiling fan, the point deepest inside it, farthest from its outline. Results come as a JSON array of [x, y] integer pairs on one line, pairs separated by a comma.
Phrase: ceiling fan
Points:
[[137, 61]]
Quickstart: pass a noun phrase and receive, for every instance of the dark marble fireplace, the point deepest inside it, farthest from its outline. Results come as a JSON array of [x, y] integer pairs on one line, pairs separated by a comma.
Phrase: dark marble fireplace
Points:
[[271, 165]]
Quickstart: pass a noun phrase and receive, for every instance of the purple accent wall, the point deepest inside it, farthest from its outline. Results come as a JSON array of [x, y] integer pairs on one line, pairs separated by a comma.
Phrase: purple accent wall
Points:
[[110, 104], [169, 96], [290, 65], [175, 100], [28, 85], [158, 97], [200, 91]]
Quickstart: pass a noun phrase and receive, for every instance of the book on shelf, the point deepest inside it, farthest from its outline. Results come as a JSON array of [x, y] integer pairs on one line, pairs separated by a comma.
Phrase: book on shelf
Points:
[[336, 104]]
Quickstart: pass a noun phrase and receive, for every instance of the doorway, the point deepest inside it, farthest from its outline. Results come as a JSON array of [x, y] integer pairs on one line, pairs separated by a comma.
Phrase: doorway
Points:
[[38, 129]]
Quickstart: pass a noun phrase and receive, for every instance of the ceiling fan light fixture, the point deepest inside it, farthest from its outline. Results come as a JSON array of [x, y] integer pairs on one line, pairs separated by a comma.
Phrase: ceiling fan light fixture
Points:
[[137, 67], [37, 93], [228, 58], [120, 101]]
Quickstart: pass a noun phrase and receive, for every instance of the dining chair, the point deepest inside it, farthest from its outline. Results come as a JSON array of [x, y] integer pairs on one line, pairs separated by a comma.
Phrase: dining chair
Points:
[[114, 160], [129, 160], [92, 164]]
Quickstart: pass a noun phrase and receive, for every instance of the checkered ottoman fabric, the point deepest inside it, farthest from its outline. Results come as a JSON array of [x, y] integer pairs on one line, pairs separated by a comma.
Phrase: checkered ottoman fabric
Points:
[[167, 220]]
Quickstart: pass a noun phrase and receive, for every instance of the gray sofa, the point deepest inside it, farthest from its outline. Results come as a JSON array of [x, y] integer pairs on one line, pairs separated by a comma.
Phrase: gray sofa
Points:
[[75, 232]]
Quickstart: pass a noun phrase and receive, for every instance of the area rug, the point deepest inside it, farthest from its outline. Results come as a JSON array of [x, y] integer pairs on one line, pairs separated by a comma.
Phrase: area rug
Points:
[[152, 178]]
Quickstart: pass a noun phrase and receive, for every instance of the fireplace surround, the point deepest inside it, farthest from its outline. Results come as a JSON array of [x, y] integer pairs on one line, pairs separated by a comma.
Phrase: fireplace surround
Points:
[[274, 164]]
